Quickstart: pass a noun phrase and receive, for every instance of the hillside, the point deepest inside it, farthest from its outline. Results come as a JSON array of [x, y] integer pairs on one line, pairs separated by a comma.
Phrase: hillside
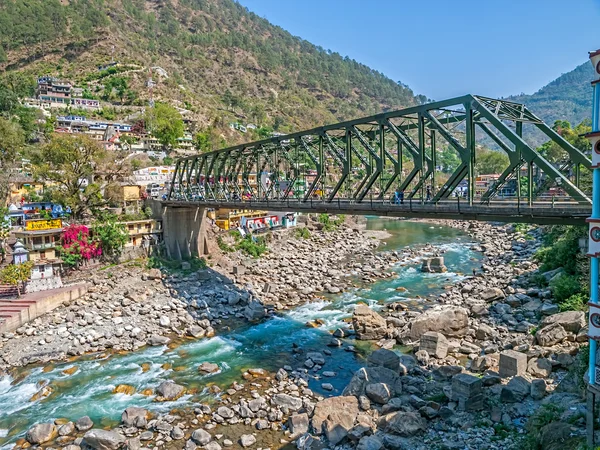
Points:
[[569, 97], [222, 61]]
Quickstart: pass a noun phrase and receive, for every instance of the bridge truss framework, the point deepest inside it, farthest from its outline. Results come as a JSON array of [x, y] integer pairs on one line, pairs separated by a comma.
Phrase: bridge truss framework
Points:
[[370, 158]]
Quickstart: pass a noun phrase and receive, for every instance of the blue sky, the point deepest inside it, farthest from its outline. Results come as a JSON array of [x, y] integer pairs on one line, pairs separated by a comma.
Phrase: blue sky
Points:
[[444, 48]]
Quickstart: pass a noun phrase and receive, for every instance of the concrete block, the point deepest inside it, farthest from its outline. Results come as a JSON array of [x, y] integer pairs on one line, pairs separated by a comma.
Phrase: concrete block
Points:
[[238, 270], [435, 344], [512, 363], [466, 386]]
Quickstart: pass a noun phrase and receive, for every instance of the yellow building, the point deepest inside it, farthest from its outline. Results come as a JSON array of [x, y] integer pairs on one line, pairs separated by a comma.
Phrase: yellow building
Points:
[[40, 238], [123, 192], [20, 186], [143, 232], [231, 218]]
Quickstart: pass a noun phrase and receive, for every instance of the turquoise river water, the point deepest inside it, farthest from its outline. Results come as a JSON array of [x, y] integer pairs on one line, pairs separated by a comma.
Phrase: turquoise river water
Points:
[[89, 391]]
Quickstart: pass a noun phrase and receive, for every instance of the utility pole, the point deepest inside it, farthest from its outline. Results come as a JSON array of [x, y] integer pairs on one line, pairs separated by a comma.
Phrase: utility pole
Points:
[[593, 390]]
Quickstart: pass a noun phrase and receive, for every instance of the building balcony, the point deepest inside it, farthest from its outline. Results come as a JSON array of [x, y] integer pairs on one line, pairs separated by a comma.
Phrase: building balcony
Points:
[[41, 246]]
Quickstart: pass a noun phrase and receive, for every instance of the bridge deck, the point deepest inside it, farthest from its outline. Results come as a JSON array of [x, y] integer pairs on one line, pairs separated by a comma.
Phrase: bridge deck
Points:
[[562, 213]]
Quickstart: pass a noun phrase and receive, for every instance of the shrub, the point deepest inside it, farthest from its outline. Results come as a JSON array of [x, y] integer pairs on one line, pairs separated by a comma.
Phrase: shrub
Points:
[[576, 302], [565, 286], [224, 246], [251, 247], [539, 280], [302, 233]]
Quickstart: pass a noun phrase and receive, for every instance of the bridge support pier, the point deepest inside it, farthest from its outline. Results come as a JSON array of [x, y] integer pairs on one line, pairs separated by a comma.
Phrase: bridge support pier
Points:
[[184, 232]]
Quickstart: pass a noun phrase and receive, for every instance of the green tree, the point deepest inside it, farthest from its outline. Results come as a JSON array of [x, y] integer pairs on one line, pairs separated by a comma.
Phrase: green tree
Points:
[[165, 123], [112, 236], [117, 86], [12, 141], [16, 274], [490, 161], [202, 141], [70, 163], [575, 136]]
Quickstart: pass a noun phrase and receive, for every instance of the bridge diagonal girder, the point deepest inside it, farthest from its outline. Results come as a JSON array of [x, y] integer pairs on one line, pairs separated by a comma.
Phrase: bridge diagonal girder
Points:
[[530, 155], [372, 177]]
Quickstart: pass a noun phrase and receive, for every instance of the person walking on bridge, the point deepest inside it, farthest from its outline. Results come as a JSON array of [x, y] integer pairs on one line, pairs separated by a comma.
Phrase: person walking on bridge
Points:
[[428, 194], [401, 196]]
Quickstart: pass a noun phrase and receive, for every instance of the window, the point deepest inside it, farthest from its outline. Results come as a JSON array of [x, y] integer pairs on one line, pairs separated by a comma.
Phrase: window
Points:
[[42, 254], [37, 241]]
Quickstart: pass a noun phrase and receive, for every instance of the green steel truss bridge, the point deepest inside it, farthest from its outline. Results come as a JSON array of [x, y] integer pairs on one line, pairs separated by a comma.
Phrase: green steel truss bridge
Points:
[[358, 166]]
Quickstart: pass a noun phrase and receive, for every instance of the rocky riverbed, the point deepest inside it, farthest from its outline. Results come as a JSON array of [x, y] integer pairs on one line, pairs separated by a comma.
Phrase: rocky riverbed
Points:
[[478, 362]]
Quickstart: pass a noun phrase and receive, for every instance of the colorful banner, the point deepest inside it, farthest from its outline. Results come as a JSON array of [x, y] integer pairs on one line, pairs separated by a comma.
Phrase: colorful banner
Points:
[[36, 225]]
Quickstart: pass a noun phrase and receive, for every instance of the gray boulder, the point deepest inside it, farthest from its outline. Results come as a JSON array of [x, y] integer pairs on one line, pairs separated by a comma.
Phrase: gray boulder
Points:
[[550, 335], [449, 320], [378, 392], [254, 311], [133, 416], [367, 324], [201, 437], [570, 320], [403, 423], [384, 358], [516, 390], [103, 439], [40, 433], [338, 412], [367, 375], [292, 403], [84, 424], [168, 390], [298, 424]]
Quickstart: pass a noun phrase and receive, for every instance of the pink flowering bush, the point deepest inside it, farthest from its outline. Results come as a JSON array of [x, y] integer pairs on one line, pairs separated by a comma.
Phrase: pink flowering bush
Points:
[[76, 245]]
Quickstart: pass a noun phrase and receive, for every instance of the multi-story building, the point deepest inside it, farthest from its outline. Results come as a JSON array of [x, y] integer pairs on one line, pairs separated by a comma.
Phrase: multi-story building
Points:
[[53, 90], [143, 233]]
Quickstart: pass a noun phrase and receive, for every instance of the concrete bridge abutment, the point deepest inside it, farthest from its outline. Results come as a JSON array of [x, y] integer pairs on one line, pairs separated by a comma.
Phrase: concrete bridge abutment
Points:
[[184, 231]]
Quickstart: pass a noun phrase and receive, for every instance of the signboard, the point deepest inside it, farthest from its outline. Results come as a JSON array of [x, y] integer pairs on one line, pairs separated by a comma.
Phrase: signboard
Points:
[[594, 321], [36, 225]]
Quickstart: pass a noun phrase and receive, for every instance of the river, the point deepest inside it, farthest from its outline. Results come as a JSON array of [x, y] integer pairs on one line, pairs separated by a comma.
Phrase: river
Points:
[[89, 391]]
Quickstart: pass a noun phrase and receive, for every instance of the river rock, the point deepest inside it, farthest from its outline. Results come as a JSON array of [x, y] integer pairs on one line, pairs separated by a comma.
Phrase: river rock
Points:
[[225, 412], [384, 358], [84, 424], [433, 265], [550, 335], [366, 375], [378, 392], [570, 320], [201, 437], [298, 424], [538, 388], [103, 439], [402, 423], [134, 417], [516, 390], [246, 440], [367, 324], [168, 390], [539, 367], [334, 417], [66, 429], [293, 403], [451, 320], [254, 311], [492, 293], [207, 367], [42, 432], [369, 443], [155, 340]]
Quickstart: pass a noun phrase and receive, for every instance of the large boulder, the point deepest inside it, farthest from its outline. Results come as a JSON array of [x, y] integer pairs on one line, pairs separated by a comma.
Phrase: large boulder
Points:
[[334, 417], [134, 416], [402, 423], [254, 311], [384, 358], [103, 439], [558, 436], [550, 335], [516, 390], [378, 392], [369, 375], [570, 320], [40, 433], [368, 325], [201, 437], [285, 400], [434, 265], [491, 294], [167, 390], [449, 320]]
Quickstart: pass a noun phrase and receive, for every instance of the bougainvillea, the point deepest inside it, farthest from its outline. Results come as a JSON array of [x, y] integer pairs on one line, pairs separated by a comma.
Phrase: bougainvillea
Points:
[[77, 245]]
